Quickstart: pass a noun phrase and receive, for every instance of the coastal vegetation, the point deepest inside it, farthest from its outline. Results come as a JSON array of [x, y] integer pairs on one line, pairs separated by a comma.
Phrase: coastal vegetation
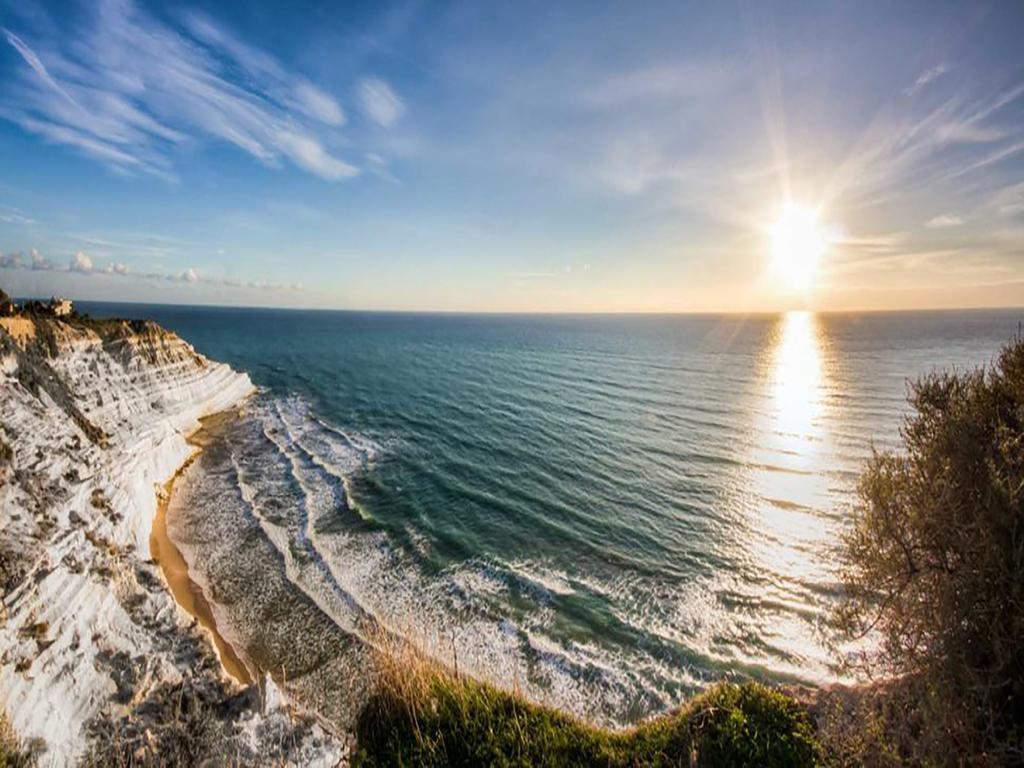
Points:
[[180, 724], [425, 715], [934, 570], [13, 754]]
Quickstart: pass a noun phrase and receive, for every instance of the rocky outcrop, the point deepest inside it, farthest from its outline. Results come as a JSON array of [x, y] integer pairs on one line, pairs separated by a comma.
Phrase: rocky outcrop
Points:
[[94, 415]]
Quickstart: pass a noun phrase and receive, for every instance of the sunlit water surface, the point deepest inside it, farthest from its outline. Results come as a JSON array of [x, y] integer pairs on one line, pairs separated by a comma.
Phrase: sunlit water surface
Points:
[[604, 511]]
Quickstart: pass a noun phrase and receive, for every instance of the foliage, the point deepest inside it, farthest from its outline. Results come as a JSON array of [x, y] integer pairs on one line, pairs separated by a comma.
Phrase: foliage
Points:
[[422, 715], [12, 753], [181, 726], [733, 725], [934, 562]]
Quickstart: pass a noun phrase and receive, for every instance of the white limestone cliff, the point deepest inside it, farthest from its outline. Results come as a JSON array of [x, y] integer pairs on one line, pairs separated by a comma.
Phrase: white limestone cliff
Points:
[[96, 414]]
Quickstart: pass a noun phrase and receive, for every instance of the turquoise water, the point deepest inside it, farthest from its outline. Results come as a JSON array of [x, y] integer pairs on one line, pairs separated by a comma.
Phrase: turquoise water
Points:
[[606, 511]]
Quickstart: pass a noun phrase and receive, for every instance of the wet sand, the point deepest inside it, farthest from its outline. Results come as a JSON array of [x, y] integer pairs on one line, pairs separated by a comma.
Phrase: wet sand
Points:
[[185, 591]]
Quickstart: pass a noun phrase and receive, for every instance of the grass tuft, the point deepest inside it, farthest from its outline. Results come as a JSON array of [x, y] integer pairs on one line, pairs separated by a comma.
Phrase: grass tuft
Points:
[[424, 715], [13, 753]]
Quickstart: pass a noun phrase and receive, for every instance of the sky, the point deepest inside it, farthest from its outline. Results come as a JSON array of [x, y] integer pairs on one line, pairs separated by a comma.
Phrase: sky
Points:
[[511, 156]]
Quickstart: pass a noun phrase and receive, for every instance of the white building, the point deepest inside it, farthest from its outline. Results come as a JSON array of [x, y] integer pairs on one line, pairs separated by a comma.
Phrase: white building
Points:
[[61, 307]]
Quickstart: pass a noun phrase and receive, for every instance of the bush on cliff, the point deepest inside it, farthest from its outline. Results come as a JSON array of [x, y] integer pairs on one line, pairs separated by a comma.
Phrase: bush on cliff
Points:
[[423, 715], [13, 753], [934, 562]]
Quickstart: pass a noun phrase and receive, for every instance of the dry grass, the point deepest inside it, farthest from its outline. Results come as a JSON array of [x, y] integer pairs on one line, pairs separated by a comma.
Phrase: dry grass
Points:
[[13, 754], [176, 725]]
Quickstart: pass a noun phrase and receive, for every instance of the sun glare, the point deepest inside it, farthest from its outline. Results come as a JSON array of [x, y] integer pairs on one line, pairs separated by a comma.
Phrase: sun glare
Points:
[[798, 241]]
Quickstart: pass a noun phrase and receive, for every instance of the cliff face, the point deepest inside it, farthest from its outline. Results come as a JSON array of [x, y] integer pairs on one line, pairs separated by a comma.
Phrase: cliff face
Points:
[[93, 415]]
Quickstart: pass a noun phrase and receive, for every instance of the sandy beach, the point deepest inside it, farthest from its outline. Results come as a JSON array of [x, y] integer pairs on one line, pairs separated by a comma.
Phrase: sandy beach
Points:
[[186, 592]]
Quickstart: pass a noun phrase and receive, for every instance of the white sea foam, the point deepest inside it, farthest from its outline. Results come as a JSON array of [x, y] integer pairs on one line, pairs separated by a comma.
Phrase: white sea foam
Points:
[[285, 455]]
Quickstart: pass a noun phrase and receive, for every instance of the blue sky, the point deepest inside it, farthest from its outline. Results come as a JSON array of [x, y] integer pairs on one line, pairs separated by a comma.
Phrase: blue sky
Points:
[[511, 156]]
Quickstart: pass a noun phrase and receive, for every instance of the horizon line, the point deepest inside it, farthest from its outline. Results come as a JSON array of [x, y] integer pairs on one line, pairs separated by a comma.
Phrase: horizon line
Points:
[[541, 313]]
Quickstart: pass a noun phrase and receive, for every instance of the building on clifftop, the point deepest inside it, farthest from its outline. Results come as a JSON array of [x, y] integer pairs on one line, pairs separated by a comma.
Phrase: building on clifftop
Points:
[[61, 307]]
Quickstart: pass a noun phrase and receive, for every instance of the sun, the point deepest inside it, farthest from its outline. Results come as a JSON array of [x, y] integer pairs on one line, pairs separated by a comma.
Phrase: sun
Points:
[[798, 242]]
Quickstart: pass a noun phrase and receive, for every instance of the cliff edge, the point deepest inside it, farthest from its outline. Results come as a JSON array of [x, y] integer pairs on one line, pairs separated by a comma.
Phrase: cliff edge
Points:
[[93, 420]]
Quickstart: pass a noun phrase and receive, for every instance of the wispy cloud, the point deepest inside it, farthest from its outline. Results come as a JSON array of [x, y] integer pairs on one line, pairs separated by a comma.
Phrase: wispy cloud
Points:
[[928, 76], [94, 91], [379, 102], [14, 216], [945, 221], [294, 91], [1007, 202], [127, 244], [915, 150]]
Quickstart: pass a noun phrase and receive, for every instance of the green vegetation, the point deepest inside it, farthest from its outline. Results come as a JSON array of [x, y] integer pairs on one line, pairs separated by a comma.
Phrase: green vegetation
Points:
[[424, 716], [934, 565]]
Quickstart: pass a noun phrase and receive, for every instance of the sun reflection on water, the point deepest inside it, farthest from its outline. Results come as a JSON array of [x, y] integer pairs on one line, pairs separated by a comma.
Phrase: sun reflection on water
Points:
[[795, 386], [791, 483], [787, 489]]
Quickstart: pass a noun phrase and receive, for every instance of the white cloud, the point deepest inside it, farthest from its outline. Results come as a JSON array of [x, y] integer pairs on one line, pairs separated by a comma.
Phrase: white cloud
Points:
[[380, 102], [309, 154], [94, 91], [294, 91], [941, 222], [928, 76], [318, 104], [969, 133], [80, 263], [41, 263], [36, 64]]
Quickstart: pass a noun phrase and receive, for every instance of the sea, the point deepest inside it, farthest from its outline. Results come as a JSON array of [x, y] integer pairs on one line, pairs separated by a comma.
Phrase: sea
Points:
[[605, 512]]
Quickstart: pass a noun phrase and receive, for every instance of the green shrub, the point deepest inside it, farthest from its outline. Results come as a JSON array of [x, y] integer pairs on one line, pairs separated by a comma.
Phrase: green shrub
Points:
[[736, 725], [934, 562], [423, 716]]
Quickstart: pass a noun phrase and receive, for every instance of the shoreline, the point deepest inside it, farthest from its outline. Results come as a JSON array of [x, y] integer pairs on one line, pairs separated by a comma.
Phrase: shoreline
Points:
[[106, 639], [186, 592]]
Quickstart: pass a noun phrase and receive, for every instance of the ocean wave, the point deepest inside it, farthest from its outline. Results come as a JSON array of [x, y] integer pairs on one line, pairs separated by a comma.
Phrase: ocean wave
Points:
[[525, 623]]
